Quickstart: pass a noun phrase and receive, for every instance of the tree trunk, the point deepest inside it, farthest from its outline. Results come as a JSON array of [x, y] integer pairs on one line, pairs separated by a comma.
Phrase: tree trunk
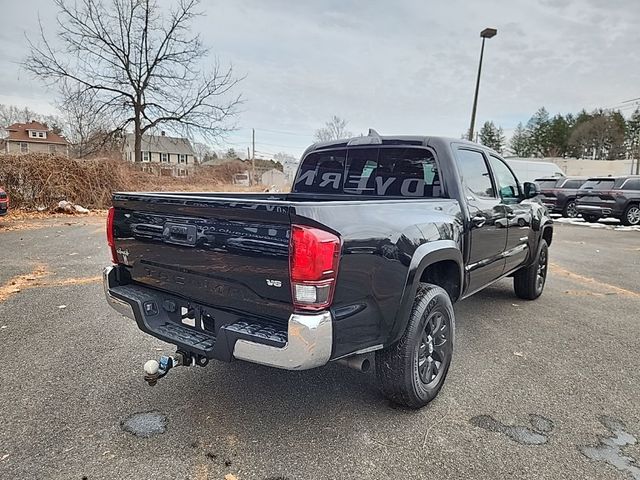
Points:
[[137, 135]]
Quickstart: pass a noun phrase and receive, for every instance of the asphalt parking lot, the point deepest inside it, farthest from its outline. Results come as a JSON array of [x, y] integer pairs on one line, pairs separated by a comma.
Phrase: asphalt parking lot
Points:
[[544, 389]]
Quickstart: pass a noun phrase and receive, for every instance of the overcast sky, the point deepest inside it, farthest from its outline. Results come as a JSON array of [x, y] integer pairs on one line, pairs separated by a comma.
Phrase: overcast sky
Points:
[[401, 67]]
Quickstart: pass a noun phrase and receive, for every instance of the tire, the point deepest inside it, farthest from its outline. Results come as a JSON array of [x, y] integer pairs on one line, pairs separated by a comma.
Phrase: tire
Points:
[[590, 218], [569, 210], [631, 215], [528, 282], [412, 371]]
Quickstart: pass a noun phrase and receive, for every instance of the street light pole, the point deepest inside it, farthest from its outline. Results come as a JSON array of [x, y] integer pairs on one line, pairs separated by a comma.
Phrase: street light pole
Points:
[[486, 33]]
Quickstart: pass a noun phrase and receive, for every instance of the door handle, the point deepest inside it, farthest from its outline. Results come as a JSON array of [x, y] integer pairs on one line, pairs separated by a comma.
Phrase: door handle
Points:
[[478, 221]]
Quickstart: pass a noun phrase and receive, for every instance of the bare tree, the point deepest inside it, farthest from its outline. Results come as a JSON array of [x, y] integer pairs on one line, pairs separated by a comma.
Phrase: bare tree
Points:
[[10, 114], [335, 129], [141, 66], [601, 138], [204, 152], [88, 129], [284, 157]]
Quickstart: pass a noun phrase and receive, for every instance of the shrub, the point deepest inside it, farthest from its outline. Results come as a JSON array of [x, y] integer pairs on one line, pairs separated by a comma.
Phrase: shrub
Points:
[[42, 180]]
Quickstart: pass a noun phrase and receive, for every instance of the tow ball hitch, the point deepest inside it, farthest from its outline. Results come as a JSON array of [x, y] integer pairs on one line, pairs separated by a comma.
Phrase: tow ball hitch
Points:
[[156, 369]]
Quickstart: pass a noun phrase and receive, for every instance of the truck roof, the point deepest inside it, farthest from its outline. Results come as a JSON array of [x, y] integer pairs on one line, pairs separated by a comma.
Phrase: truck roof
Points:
[[373, 138]]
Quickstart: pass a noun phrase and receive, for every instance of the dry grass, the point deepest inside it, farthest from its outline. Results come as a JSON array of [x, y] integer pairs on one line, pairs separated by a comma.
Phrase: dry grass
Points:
[[19, 283], [40, 181], [40, 277]]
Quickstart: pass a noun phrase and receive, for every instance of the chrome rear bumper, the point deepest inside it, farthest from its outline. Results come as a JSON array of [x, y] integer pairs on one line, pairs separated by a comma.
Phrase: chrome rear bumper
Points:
[[310, 338]]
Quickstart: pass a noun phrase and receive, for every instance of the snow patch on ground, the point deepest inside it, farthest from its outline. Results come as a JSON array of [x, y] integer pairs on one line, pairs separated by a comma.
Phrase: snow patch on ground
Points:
[[606, 223]]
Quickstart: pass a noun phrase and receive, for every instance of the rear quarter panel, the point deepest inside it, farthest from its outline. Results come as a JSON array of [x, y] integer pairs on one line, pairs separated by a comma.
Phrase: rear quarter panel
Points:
[[379, 239]]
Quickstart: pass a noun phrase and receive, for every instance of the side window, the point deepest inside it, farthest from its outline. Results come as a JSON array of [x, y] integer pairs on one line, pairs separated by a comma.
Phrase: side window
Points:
[[475, 174], [507, 183], [573, 184], [632, 184]]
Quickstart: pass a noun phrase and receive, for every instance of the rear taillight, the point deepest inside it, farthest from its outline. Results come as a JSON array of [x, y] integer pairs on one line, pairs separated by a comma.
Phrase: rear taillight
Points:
[[313, 266], [110, 238]]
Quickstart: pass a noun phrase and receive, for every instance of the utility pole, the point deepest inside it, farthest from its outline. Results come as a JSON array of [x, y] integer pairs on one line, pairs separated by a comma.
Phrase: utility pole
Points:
[[253, 155]]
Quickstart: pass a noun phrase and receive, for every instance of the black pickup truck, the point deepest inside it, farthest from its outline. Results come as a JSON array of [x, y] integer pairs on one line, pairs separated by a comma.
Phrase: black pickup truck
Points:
[[361, 263]]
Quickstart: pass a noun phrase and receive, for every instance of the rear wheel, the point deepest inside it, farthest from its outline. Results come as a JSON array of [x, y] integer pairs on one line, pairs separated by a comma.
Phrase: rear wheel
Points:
[[569, 210], [529, 282], [631, 215], [590, 218], [412, 371]]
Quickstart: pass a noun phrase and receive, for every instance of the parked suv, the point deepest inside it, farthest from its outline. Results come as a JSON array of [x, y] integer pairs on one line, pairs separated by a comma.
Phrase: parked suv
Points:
[[559, 194], [617, 197], [4, 202]]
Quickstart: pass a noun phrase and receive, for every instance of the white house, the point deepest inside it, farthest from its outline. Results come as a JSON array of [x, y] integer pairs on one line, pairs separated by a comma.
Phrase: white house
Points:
[[274, 177], [172, 156]]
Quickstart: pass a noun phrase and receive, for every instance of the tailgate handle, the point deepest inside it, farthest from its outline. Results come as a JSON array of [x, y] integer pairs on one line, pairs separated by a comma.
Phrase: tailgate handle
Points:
[[180, 234]]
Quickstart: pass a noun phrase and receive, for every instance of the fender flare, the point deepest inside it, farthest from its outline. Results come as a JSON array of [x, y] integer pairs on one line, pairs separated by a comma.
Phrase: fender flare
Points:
[[425, 255], [534, 252]]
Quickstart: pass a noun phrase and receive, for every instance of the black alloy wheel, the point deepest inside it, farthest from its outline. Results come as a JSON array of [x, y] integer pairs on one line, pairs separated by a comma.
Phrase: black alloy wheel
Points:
[[434, 351], [541, 275]]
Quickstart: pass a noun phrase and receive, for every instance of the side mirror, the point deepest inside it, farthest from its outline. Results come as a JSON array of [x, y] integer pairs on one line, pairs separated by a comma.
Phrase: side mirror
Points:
[[530, 190]]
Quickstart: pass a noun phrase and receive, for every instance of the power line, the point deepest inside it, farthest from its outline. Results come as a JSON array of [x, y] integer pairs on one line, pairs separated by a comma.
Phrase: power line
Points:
[[241, 143], [283, 132], [621, 104]]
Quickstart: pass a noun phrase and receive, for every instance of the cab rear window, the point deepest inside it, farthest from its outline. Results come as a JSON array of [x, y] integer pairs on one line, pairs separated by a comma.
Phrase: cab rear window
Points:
[[382, 172]]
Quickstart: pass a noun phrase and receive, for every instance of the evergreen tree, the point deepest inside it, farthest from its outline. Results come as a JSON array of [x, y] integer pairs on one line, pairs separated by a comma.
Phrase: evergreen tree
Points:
[[539, 131], [559, 131], [231, 155], [632, 134], [492, 136], [520, 142]]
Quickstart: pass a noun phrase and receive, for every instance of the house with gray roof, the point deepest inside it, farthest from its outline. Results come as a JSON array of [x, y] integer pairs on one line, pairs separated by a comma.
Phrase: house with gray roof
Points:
[[171, 156]]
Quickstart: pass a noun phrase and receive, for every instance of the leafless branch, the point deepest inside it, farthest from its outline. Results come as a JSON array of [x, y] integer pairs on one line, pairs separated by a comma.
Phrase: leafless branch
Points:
[[140, 67]]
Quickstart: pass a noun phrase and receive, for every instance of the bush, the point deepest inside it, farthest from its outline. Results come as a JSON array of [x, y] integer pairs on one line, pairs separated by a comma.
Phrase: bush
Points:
[[42, 180]]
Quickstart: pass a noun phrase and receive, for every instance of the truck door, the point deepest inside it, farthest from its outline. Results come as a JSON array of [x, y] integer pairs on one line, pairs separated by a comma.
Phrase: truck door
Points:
[[487, 237], [518, 212]]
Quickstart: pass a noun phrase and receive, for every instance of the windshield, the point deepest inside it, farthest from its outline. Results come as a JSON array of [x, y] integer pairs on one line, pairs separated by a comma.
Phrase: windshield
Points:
[[597, 184], [382, 172]]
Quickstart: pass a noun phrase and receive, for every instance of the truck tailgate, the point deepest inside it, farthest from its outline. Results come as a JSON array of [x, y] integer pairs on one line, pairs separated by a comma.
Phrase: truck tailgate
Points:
[[228, 253]]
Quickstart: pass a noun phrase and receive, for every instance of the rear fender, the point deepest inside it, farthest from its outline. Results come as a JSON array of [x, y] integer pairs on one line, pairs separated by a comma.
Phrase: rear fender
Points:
[[425, 255]]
